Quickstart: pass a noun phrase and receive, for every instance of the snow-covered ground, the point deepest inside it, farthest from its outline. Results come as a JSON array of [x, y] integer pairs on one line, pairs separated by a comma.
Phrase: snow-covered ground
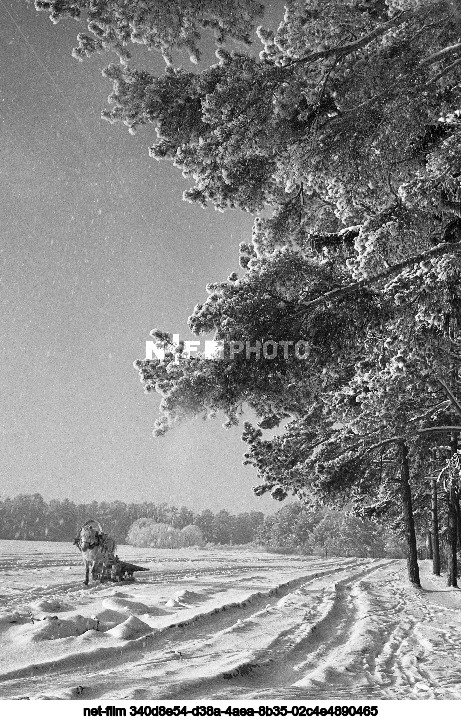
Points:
[[209, 624]]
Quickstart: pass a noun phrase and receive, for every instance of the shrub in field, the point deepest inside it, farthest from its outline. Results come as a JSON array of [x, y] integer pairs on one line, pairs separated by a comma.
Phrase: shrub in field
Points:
[[147, 533], [191, 535]]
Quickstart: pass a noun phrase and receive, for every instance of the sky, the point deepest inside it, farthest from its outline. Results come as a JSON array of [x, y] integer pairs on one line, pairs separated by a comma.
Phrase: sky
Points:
[[97, 249]]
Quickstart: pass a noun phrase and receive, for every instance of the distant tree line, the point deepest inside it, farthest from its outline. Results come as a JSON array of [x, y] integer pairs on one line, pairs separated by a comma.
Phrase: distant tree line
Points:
[[295, 528], [30, 517]]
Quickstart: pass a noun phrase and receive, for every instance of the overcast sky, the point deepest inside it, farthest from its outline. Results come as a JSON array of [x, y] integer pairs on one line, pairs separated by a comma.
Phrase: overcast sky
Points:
[[97, 248]]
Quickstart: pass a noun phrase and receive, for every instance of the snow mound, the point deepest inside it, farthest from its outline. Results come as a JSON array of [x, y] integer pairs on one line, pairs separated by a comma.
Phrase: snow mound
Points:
[[133, 627], [49, 605], [110, 618], [186, 596], [173, 603], [89, 638], [52, 627], [125, 605]]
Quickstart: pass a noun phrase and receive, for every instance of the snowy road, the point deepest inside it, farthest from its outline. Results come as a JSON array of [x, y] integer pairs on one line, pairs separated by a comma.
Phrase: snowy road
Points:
[[224, 625]]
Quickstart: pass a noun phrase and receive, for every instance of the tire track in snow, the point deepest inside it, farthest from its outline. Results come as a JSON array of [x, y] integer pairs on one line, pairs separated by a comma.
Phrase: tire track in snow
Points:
[[318, 653], [140, 652], [305, 653], [381, 648]]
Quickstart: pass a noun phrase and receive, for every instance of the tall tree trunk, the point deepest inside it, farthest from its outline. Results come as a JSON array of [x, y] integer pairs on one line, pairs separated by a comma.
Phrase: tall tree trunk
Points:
[[429, 549], [452, 530], [452, 539], [410, 535], [458, 516], [435, 530]]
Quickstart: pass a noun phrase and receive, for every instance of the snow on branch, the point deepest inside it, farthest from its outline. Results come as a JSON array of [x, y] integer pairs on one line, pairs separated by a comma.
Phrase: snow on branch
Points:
[[440, 54], [385, 442], [440, 406], [439, 429], [450, 395], [342, 50], [440, 249]]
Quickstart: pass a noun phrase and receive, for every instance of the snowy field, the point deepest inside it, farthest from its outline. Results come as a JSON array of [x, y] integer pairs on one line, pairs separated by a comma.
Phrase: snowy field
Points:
[[224, 625]]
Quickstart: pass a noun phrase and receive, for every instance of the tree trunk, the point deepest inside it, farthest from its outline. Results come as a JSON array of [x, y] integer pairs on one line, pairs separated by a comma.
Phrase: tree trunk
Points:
[[452, 530], [435, 530], [452, 539], [410, 535], [429, 549], [458, 517]]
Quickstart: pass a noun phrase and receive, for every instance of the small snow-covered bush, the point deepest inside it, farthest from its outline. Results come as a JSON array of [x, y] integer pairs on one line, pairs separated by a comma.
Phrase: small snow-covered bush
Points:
[[145, 532], [192, 536]]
